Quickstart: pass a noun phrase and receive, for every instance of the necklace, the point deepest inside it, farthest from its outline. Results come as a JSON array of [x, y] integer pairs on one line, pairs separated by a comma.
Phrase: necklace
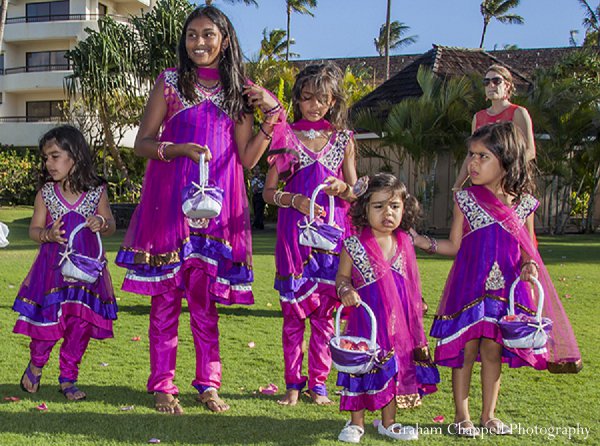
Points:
[[207, 88], [313, 134]]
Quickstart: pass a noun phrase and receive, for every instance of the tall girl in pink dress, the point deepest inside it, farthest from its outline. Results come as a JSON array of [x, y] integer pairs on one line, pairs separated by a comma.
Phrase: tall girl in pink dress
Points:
[[314, 149], [196, 108], [499, 87], [51, 307]]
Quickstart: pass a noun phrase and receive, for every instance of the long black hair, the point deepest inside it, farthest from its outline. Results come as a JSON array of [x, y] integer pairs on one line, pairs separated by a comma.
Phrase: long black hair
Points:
[[83, 175], [231, 67], [505, 140], [389, 183], [326, 78]]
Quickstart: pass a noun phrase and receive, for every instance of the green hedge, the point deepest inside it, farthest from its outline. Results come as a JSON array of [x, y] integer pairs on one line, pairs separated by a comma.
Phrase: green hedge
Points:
[[19, 173]]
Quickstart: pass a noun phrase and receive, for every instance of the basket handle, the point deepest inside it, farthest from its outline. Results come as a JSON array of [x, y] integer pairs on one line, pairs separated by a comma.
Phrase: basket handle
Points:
[[74, 232], [373, 339], [540, 305], [203, 166], [313, 202]]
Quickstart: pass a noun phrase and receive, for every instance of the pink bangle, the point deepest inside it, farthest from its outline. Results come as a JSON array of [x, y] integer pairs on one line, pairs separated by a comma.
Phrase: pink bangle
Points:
[[160, 151]]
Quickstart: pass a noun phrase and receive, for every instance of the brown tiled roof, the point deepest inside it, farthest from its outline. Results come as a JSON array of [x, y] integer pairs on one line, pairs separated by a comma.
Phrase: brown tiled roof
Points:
[[527, 61], [445, 62]]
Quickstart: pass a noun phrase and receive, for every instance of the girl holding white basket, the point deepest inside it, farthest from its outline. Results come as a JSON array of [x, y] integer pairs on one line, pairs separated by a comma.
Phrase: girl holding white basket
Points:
[[378, 268], [315, 149], [492, 239]]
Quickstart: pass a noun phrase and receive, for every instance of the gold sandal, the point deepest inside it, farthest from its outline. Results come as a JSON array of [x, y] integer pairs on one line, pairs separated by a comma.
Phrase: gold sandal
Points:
[[210, 398], [170, 406]]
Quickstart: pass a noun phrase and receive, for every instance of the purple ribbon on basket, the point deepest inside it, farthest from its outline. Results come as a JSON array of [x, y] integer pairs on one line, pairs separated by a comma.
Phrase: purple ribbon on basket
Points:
[[88, 265], [194, 191], [329, 232]]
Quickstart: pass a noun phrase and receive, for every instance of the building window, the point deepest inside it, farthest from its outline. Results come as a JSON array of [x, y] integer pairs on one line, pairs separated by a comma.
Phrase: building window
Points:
[[47, 11], [44, 111], [47, 61], [102, 10], [1, 64]]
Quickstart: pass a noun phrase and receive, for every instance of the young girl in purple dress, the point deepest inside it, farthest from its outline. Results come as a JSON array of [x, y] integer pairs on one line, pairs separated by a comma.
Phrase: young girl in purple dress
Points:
[[378, 266], [51, 307], [204, 106], [492, 239], [314, 149]]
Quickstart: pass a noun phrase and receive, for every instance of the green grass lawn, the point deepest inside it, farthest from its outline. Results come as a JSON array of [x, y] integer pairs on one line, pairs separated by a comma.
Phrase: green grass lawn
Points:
[[536, 400]]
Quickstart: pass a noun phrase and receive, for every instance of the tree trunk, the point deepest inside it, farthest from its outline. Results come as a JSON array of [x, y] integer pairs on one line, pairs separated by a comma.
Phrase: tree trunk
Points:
[[485, 25], [387, 39], [589, 224], [287, 43], [109, 140]]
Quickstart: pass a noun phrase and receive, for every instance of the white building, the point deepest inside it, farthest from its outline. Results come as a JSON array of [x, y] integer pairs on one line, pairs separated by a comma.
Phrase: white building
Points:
[[33, 67]]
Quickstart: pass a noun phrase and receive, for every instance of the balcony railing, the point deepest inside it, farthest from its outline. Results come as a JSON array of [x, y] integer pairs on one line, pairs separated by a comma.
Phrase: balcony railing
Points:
[[61, 17], [5, 119], [37, 68]]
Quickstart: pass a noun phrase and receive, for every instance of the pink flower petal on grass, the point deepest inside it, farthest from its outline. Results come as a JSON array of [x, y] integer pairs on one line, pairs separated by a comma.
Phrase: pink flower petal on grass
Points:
[[251, 344], [567, 296], [136, 338], [154, 441], [271, 389], [376, 422], [42, 407], [126, 408], [12, 399], [438, 419]]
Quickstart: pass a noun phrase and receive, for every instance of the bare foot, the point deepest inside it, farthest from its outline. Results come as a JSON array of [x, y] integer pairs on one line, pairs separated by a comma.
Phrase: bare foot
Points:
[[167, 403], [72, 392], [290, 398], [29, 384], [321, 400], [213, 402]]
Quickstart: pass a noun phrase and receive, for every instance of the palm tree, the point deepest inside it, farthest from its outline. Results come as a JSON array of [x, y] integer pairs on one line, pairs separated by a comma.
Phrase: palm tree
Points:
[[388, 13], [397, 30], [102, 65], [422, 127], [572, 40], [3, 9], [274, 45], [591, 21], [301, 7], [498, 9]]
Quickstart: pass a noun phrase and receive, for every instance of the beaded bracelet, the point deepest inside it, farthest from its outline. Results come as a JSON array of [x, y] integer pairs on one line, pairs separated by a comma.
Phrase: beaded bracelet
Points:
[[273, 110], [277, 199], [344, 289], [433, 245], [264, 132], [160, 151], [293, 198], [530, 262]]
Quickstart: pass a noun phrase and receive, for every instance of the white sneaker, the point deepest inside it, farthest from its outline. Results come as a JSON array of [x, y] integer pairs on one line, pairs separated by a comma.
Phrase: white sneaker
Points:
[[398, 432], [351, 433]]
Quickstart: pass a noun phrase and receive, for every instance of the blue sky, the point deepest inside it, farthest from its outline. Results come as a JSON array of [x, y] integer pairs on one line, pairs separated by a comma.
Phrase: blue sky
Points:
[[346, 28]]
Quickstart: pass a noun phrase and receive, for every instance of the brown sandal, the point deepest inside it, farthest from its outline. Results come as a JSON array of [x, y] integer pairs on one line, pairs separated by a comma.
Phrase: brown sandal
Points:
[[169, 405], [212, 401]]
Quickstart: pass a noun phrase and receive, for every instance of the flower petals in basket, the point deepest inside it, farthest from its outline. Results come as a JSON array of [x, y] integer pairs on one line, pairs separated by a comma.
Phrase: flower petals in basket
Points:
[[348, 353], [521, 330]]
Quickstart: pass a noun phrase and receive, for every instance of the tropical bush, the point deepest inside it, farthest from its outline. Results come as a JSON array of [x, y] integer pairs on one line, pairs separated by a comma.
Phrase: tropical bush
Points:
[[19, 171]]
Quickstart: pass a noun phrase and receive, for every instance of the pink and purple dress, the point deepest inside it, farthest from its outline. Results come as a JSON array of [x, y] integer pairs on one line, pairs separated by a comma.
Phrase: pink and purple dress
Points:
[[404, 371], [51, 308], [476, 293], [169, 257], [305, 277]]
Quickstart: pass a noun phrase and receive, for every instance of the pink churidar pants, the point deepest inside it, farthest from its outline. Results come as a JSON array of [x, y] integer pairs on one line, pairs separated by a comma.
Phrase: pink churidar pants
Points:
[[162, 334]]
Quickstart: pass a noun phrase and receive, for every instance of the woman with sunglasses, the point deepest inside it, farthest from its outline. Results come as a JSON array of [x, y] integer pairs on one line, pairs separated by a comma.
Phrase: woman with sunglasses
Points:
[[499, 87]]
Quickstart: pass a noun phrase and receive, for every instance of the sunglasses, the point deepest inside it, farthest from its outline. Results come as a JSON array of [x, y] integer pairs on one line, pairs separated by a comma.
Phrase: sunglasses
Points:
[[495, 81]]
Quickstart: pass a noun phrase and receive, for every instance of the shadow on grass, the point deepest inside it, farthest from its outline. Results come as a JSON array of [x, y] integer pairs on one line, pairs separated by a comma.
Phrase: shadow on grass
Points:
[[197, 426]]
